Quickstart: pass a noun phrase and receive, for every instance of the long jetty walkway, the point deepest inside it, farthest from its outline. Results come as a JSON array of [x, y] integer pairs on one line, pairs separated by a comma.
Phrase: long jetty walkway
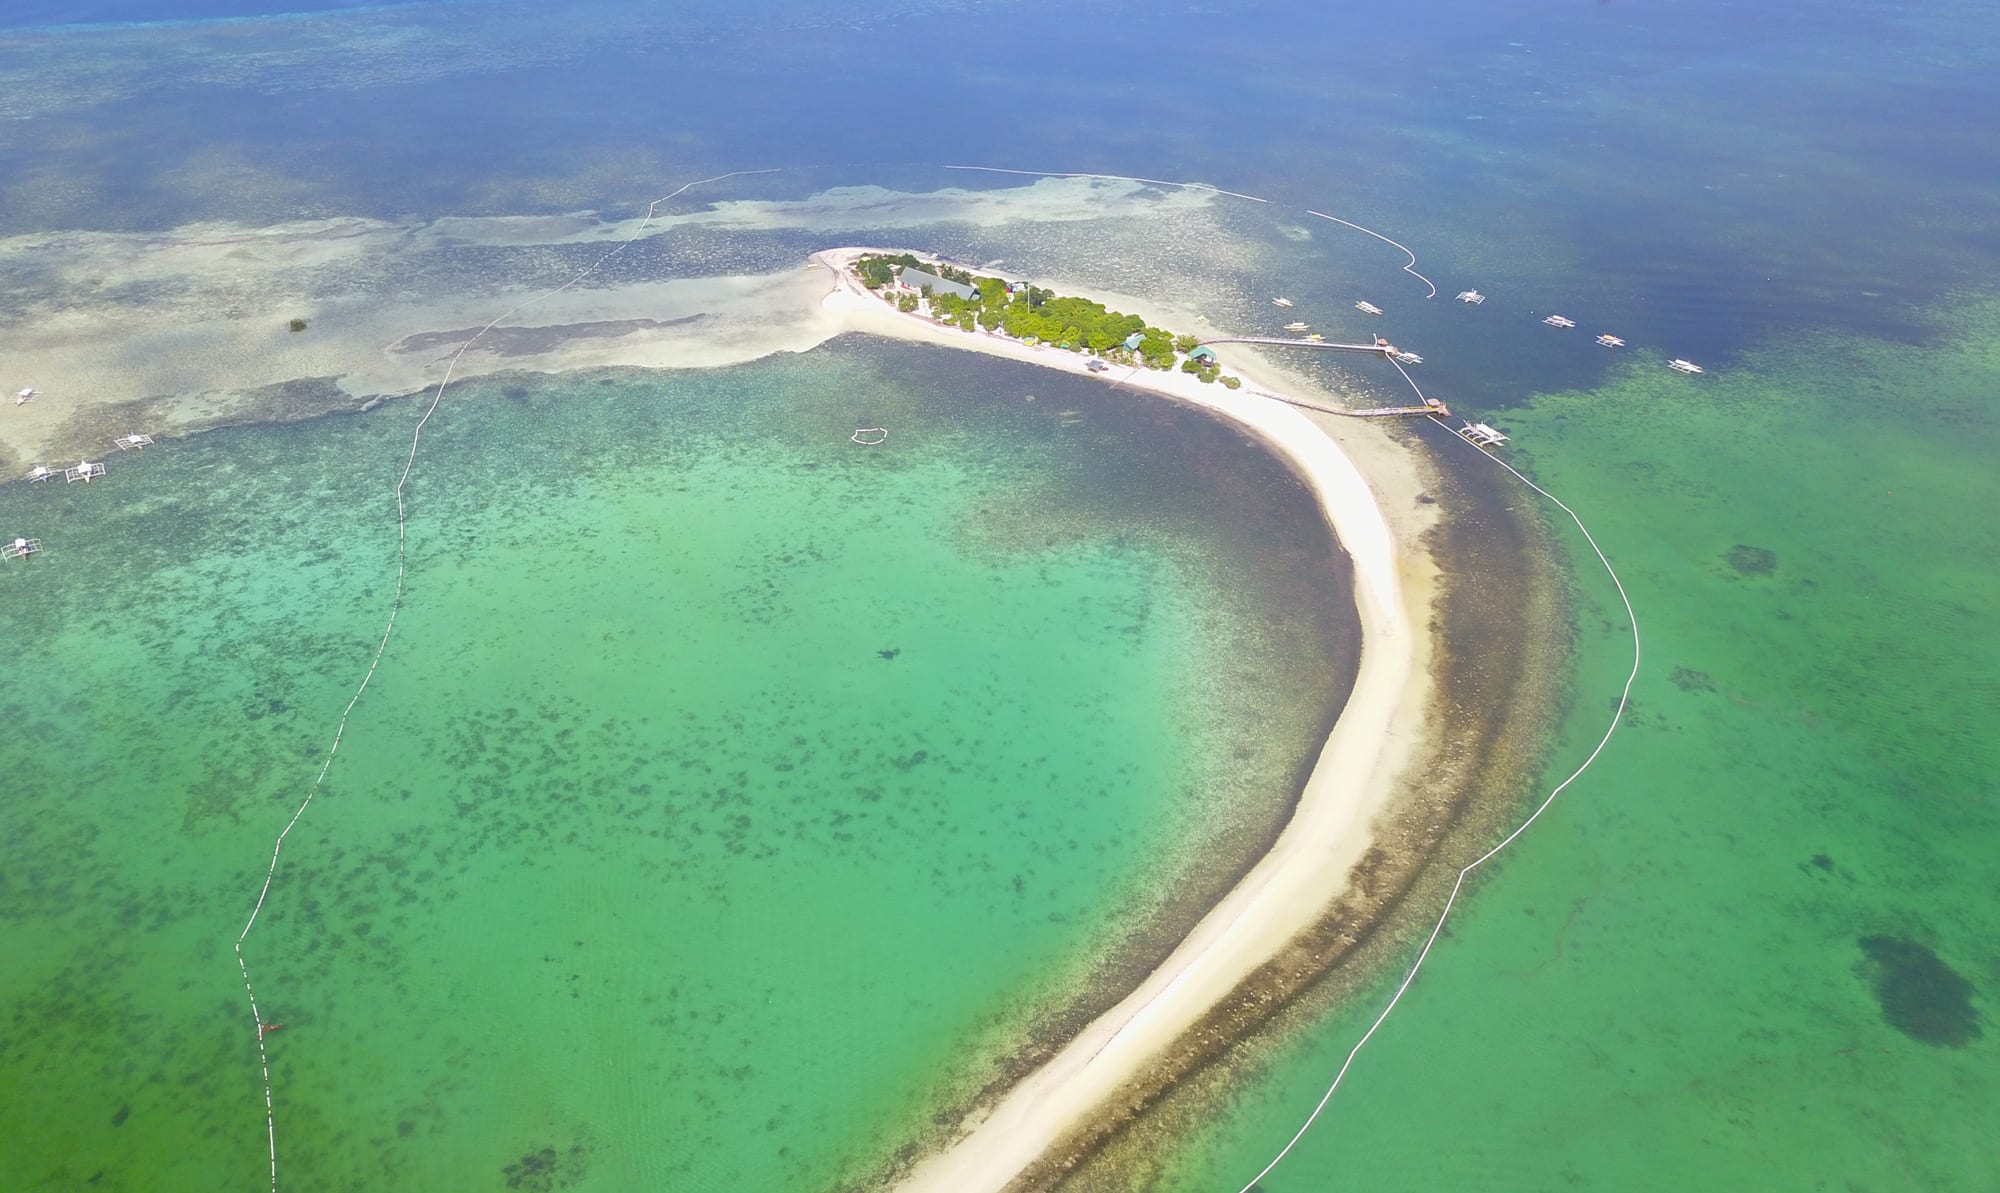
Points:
[[1432, 407], [1378, 349]]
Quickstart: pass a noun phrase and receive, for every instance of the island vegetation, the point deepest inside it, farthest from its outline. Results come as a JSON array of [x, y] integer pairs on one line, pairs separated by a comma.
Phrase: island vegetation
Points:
[[1032, 315]]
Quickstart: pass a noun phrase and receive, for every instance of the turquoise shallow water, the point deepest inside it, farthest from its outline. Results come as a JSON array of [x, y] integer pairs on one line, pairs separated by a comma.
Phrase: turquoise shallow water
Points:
[[1723, 962], [1754, 936], [729, 792]]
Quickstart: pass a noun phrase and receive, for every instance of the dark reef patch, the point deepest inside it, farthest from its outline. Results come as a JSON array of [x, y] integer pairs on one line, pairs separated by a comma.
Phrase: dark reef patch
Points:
[[1752, 561], [546, 1169], [1920, 995], [1689, 680]]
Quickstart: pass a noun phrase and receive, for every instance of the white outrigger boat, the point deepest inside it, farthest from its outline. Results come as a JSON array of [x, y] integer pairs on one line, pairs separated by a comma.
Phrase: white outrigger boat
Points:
[[1472, 296], [1683, 366], [1409, 358], [1559, 321], [1281, 302], [1611, 341], [1297, 326], [25, 396], [1367, 308]]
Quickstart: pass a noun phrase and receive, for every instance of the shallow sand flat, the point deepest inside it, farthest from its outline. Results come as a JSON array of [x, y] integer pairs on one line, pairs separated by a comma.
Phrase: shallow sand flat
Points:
[[1358, 770], [175, 331]]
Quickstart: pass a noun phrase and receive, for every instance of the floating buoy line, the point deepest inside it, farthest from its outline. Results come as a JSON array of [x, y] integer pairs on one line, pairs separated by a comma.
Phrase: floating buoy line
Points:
[[1466, 871], [869, 437], [263, 1028]]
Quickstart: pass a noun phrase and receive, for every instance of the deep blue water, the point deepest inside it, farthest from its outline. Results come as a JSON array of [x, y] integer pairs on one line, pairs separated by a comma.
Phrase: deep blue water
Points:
[[30, 14]]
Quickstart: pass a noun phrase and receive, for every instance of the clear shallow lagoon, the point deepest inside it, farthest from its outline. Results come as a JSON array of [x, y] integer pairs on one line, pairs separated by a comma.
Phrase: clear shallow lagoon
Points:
[[1665, 986], [728, 788], [1749, 950]]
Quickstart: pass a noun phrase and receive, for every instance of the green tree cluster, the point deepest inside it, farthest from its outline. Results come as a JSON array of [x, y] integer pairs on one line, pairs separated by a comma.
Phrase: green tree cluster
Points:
[[877, 270], [1032, 313]]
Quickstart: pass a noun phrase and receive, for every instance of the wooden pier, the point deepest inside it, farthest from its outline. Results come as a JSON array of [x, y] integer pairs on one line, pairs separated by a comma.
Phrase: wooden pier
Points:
[[1431, 408], [1278, 342]]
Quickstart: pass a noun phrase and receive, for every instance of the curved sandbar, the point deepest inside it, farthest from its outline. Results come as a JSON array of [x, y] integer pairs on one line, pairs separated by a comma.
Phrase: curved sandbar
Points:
[[1287, 889]]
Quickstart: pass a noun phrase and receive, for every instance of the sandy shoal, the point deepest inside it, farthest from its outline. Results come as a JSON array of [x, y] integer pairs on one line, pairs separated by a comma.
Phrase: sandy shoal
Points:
[[1357, 771]]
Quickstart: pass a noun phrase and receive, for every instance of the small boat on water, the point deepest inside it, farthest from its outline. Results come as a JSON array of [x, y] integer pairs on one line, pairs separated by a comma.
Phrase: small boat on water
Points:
[[1471, 296], [1408, 358], [1559, 321], [1367, 308], [1315, 337], [1296, 326], [1683, 366], [1281, 302], [1611, 341]]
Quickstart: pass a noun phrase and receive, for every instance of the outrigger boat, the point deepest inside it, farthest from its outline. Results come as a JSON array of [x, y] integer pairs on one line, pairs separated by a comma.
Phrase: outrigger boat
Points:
[[1683, 366], [1315, 337], [1297, 326], [1281, 302], [1472, 296], [1559, 321], [1367, 308], [1611, 341]]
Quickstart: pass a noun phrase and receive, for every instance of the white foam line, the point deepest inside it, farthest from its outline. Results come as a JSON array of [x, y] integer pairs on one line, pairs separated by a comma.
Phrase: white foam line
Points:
[[1410, 268], [1451, 901], [1193, 186], [395, 608]]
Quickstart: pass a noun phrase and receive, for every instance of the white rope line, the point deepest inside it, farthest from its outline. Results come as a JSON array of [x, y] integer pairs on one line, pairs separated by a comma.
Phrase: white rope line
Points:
[[1624, 697], [396, 600], [395, 608], [1410, 269]]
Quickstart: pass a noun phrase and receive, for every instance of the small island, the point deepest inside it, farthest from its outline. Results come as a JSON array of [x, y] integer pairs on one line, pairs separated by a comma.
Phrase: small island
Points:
[[955, 297]]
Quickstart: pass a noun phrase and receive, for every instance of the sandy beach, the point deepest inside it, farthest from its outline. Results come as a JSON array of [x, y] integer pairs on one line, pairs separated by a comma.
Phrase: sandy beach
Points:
[[1356, 774]]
